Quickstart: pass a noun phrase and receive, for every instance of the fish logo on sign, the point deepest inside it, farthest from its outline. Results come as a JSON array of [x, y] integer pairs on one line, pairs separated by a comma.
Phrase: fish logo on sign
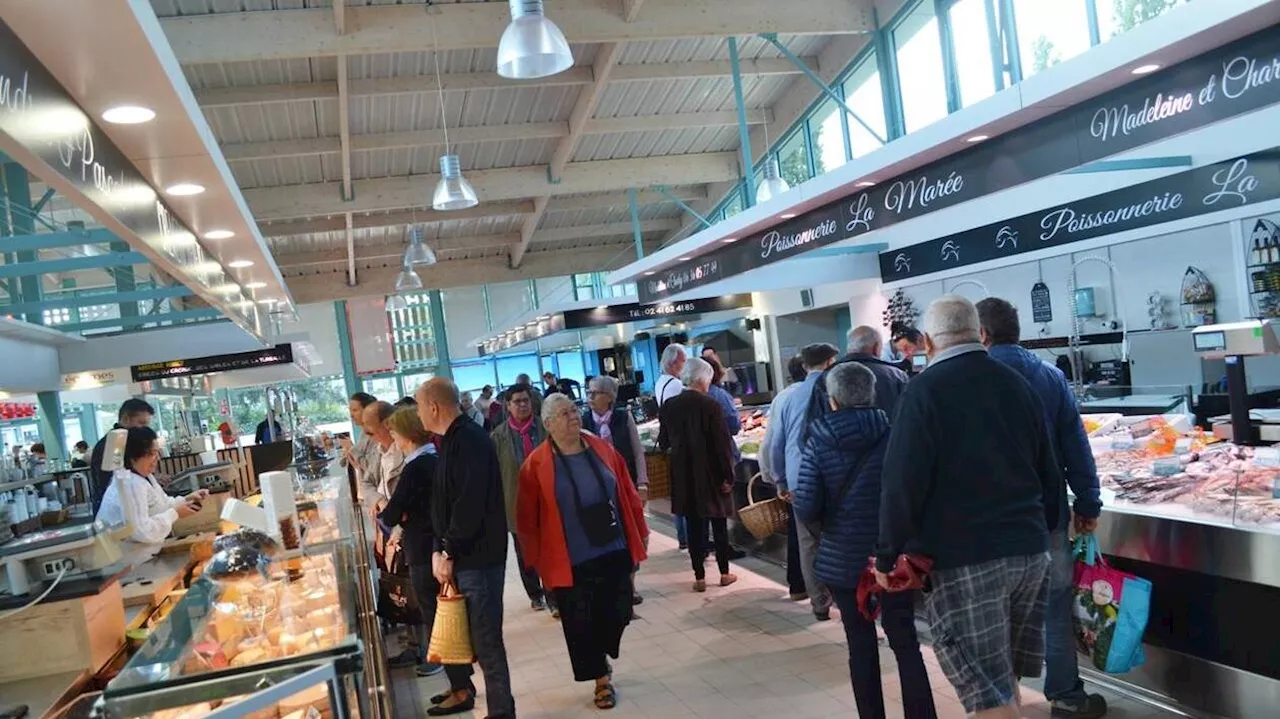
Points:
[[902, 263], [950, 251], [1006, 236]]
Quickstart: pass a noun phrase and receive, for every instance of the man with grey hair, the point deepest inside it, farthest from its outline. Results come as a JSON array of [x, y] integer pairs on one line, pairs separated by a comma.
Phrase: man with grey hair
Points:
[[784, 446], [839, 490], [972, 481], [865, 348], [669, 384]]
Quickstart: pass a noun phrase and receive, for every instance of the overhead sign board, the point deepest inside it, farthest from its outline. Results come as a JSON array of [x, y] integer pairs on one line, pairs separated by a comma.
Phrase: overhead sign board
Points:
[[40, 116], [278, 355], [1221, 186], [1226, 82], [636, 312]]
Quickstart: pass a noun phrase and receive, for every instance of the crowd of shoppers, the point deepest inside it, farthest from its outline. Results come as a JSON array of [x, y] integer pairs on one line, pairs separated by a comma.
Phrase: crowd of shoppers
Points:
[[965, 463]]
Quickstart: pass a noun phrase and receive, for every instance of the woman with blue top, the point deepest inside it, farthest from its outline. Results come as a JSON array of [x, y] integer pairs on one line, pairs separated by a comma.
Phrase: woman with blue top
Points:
[[580, 523]]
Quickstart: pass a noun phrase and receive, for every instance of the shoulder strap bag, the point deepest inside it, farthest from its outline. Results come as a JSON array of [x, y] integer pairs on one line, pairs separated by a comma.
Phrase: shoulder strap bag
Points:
[[599, 520]]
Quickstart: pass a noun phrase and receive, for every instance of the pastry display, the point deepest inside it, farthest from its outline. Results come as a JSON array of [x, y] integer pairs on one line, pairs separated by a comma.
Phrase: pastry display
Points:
[[245, 537], [237, 561]]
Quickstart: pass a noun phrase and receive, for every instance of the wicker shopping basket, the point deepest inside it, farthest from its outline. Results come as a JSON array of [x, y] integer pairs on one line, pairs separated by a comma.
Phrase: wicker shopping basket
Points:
[[451, 632], [765, 517]]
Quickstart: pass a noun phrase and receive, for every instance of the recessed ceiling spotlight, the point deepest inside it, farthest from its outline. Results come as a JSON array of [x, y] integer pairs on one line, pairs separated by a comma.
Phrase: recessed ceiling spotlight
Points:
[[128, 115], [866, 183], [730, 240], [254, 285], [219, 235], [1145, 69], [977, 138], [184, 189], [240, 264], [685, 259], [602, 307], [787, 215], [650, 273]]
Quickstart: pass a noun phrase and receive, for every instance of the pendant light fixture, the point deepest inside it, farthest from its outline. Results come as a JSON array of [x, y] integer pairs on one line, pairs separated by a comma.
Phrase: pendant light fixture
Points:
[[772, 185], [453, 192], [532, 46], [408, 280], [419, 253], [396, 303]]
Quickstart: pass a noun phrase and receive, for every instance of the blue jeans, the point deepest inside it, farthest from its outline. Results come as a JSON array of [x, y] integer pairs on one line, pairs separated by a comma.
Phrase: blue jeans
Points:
[[483, 590], [682, 529], [1062, 675]]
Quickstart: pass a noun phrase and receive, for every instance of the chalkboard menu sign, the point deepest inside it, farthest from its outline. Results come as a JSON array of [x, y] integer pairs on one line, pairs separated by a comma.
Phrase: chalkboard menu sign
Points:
[[1041, 308]]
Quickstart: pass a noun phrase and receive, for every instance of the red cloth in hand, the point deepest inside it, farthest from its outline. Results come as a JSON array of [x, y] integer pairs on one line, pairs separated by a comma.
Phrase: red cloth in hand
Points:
[[911, 571]]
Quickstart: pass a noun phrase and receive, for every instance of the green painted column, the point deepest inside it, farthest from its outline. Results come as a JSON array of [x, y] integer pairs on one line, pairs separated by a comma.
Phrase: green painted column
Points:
[[23, 222], [440, 336], [51, 431], [125, 281], [349, 377], [89, 423]]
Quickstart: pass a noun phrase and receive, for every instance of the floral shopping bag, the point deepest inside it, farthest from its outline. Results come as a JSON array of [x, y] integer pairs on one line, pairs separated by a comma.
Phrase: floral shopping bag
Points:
[[1110, 609]]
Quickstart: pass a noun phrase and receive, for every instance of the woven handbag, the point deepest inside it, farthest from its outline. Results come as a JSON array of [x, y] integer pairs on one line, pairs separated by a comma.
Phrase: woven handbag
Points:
[[765, 517], [451, 632]]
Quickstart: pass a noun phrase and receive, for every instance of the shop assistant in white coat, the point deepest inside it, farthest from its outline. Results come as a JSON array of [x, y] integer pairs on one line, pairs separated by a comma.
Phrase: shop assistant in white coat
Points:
[[135, 497]]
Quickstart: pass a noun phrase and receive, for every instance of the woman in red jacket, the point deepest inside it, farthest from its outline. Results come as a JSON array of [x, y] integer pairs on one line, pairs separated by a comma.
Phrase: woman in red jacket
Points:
[[581, 525]]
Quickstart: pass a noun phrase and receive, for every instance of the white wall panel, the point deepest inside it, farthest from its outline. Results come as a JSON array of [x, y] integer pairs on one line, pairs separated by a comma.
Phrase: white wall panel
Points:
[[463, 319], [508, 301], [370, 331], [31, 367]]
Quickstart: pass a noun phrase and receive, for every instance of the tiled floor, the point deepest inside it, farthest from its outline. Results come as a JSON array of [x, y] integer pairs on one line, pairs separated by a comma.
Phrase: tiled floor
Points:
[[744, 651]]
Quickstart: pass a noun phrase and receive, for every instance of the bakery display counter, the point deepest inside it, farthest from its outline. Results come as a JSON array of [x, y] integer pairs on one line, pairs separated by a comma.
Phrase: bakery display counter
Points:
[[267, 633]]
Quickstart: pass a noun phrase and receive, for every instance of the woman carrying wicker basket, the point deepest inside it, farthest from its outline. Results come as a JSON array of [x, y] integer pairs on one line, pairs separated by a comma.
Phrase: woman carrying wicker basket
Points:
[[693, 430], [581, 524]]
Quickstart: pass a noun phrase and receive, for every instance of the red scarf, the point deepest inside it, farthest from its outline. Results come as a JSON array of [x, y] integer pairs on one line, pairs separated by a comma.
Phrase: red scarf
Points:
[[525, 430]]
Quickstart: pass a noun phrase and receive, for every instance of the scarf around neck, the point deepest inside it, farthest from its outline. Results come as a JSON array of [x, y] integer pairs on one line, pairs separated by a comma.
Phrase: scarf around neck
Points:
[[603, 430], [525, 430]]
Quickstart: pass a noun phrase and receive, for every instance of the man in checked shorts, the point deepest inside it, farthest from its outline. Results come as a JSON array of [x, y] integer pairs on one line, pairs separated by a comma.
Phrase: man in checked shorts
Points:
[[971, 480]]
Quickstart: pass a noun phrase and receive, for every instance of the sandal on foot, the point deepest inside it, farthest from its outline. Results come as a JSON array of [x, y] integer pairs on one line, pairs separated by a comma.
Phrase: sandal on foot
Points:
[[699, 585], [727, 579], [606, 696]]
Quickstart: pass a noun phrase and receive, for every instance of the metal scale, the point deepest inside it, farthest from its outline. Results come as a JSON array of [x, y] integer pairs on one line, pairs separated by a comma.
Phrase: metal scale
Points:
[[1233, 342]]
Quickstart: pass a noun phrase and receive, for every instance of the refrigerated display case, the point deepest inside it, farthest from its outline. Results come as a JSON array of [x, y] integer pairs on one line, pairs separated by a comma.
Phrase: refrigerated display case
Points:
[[232, 642]]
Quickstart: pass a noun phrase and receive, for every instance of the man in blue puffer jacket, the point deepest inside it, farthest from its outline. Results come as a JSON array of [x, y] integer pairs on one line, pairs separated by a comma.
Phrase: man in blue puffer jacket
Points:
[[839, 488], [1001, 332]]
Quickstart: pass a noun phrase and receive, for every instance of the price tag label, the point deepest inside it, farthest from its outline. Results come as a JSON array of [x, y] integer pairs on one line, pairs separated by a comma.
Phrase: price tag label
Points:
[[1121, 441], [1266, 457], [1166, 467], [1183, 445]]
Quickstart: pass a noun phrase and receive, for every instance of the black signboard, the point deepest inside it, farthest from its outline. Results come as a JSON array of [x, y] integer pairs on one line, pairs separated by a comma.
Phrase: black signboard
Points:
[[278, 355], [38, 114], [576, 319], [1223, 83], [1041, 307], [1222, 186]]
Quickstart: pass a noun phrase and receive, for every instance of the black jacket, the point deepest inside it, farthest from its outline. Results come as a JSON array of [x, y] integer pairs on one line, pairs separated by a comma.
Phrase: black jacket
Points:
[[619, 436], [468, 514], [969, 474], [100, 479], [890, 380], [410, 507]]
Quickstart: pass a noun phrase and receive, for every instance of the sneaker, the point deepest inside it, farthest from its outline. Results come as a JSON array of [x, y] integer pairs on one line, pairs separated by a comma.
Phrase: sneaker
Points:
[[539, 604], [1088, 706], [822, 616], [798, 596], [699, 585], [727, 579], [429, 669]]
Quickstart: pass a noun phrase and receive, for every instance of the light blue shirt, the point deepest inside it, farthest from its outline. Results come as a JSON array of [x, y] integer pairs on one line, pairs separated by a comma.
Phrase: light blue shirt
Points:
[[783, 449]]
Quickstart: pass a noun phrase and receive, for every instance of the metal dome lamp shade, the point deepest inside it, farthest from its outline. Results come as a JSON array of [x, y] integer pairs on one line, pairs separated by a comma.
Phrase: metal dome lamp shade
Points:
[[396, 303], [408, 280], [419, 253], [453, 192], [532, 46], [772, 185]]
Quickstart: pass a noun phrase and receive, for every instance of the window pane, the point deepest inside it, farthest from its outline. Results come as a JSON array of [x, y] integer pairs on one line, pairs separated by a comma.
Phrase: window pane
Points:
[[384, 388], [971, 38], [919, 52], [735, 202], [511, 367], [793, 159], [864, 95], [828, 137], [1116, 17], [1050, 32], [571, 366], [473, 376]]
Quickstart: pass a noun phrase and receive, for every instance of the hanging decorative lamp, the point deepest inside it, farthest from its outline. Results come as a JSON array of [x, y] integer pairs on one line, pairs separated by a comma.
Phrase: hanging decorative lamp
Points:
[[408, 280], [532, 46], [396, 303], [772, 185], [453, 192], [419, 253]]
